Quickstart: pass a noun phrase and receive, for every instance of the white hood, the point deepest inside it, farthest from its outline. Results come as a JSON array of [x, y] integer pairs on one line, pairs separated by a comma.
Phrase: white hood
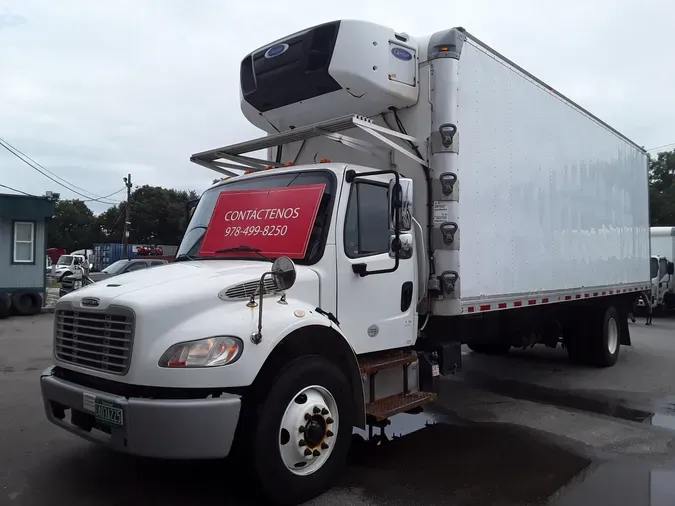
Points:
[[190, 282]]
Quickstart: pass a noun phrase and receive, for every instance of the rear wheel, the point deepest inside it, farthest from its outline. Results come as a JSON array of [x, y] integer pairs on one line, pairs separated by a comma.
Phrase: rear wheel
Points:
[[26, 303], [4, 305], [607, 339], [302, 431], [594, 337]]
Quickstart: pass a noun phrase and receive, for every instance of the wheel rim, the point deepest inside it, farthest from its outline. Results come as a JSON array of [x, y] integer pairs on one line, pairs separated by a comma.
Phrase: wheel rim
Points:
[[612, 336], [309, 430]]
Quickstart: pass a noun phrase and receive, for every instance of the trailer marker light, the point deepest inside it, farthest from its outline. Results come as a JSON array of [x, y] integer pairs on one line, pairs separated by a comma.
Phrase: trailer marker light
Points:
[[288, 164], [324, 160]]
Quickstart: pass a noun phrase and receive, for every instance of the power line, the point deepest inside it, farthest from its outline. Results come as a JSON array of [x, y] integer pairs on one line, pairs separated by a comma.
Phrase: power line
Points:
[[34, 165], [18, 191], [113, 193], [23, 157], [660, 147]]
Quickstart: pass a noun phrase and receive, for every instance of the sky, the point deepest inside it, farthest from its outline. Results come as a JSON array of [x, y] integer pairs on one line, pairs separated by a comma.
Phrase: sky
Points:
[[95, 90]]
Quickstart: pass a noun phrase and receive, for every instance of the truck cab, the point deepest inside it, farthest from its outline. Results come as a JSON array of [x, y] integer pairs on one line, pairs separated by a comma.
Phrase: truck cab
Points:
[[66, 265]]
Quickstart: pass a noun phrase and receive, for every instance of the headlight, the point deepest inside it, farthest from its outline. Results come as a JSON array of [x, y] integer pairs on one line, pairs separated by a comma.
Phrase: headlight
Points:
[[77, 284], [211, 352]]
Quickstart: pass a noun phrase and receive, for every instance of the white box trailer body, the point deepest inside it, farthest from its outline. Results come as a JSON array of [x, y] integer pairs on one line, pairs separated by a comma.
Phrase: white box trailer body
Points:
[[457, 199], [550, 202]]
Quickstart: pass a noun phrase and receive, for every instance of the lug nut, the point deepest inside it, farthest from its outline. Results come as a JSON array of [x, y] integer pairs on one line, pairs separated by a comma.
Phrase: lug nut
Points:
[[324, 446], [301, 430], [302, 442], [329, 420], [324, 411], [329, 433], [308, 452], [316, 453], [317, 410], [308, 417]]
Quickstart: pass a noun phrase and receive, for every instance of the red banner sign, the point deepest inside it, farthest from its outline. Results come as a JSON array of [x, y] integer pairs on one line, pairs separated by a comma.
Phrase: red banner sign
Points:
[[277, 221]]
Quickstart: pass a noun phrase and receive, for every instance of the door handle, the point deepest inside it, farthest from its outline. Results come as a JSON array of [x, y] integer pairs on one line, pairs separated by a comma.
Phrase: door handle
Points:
[[360, 269]]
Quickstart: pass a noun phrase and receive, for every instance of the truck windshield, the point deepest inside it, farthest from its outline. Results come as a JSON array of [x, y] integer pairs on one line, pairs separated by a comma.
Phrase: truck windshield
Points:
[[189, 247], [65, 260]]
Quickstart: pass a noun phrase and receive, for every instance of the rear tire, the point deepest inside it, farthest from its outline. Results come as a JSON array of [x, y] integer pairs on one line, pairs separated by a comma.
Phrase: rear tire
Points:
[[4, 305], [26, 303], [594, 337], [606, 338], [288, 425]]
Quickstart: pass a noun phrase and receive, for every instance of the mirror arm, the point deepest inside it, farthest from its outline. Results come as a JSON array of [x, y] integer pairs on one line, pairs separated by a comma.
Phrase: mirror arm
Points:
[[361, 269], [256, 337]]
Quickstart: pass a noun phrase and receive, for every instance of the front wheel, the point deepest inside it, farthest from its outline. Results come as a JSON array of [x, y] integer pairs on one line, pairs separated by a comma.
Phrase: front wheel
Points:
[[303, 431]]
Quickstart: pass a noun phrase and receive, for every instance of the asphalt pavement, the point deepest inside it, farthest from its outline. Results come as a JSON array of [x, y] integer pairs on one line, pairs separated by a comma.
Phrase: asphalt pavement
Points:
[[529, 428]]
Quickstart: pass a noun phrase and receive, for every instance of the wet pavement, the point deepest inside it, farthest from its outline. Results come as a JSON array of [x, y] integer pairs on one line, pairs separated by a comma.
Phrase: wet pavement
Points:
[[525, 429]]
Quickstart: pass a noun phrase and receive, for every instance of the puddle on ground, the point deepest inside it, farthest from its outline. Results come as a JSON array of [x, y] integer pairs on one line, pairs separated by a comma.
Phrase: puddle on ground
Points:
[[440, 462], [664, 418], [628, 483], [404, 424], [584, 401]]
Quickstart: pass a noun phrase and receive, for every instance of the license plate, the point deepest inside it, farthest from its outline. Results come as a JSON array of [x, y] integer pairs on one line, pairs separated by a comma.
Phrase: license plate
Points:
[[109, 413]]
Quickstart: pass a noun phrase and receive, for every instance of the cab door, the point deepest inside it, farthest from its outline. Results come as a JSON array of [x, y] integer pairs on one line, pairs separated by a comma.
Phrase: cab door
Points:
[[377, 311]]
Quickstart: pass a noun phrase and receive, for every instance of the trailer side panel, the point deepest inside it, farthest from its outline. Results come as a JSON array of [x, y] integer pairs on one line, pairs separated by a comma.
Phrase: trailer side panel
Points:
[[552, 200]]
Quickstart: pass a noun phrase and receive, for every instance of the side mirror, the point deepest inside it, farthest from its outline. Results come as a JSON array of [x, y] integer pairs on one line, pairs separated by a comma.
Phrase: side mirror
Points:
[[400, 199], [404, 247], [284, 273], [671, 268]]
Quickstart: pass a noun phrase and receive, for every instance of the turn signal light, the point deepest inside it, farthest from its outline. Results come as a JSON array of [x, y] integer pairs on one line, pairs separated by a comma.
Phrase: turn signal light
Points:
[[324, 160], [288, 164]]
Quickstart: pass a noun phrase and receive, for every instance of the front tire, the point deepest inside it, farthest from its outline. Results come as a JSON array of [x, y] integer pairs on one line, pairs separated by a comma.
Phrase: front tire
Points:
[[302, 431]]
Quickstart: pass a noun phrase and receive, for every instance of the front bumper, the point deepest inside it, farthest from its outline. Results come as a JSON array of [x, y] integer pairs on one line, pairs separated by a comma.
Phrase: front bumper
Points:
[[161, 428]]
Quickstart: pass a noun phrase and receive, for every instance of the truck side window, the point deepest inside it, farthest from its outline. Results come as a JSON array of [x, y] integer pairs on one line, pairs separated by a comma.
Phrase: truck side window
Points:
[[367, 222]]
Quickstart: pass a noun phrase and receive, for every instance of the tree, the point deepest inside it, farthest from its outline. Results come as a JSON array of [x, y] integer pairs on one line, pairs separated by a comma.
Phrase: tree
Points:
[[73, 226], [662, 189], [158, 216]]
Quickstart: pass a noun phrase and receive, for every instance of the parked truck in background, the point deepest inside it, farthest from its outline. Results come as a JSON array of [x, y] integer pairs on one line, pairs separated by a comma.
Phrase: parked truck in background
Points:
[[662, 241], [419, 193]]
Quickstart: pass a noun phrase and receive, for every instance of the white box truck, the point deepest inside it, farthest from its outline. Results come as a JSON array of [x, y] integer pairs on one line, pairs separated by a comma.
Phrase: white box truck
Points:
[[418, 193], [662, 241]]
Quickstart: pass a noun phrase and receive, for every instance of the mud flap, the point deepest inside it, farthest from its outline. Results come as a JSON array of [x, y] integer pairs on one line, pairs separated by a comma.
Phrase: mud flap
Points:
[[624, 328]]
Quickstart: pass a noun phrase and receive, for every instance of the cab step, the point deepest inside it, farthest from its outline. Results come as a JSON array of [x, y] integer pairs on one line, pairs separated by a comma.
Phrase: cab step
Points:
[[382, 409], [374, 362]]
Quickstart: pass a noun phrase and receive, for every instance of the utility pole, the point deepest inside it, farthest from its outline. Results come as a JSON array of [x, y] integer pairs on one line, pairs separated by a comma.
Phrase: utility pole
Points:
[[127, 218]]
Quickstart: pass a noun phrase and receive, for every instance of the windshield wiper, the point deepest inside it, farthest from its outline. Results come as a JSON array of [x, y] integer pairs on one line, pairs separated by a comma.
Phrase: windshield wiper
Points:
[[245, 249]]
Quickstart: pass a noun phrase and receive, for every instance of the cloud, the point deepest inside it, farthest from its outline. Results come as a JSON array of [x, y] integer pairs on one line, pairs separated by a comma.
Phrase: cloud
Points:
[[94, 90]]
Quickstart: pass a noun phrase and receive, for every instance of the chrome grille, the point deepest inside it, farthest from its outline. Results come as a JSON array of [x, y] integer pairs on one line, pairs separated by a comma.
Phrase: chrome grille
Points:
[[96, 340], [67, 283], [245, 290]]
